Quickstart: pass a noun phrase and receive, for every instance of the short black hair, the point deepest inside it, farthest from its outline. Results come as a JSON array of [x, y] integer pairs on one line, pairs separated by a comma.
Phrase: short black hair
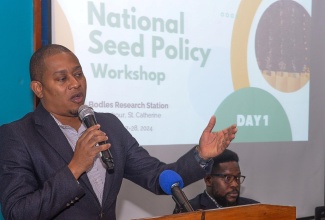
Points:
[[226, 156], [36, 64]]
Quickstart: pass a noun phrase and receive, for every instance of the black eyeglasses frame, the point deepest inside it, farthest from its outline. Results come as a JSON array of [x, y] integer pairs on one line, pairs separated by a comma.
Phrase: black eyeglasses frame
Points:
[[239, 179]]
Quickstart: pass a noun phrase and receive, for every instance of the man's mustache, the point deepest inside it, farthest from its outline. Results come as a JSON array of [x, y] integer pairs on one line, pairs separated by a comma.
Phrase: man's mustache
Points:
[[233, 191]]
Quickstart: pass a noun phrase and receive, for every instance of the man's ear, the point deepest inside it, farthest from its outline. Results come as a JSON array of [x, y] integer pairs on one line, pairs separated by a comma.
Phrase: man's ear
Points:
[[37, 88], [208, 180]]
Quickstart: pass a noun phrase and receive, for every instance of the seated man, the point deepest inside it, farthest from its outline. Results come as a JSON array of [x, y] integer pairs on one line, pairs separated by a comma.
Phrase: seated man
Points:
[[222, 185]]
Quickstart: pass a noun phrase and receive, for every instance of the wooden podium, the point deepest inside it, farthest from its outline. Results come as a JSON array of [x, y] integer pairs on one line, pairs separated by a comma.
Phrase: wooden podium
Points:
[[245, 212]]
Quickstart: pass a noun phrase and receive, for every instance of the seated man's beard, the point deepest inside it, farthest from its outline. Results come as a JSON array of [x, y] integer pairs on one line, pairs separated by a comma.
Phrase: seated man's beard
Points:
[[225, 203]]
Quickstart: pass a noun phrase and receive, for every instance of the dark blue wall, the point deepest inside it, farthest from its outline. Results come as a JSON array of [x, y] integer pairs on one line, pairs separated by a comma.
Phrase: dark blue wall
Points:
[[16, 37]]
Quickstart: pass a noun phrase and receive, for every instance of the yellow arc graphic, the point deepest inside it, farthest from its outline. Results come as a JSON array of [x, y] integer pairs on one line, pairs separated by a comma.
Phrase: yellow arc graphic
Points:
[[239, 42]]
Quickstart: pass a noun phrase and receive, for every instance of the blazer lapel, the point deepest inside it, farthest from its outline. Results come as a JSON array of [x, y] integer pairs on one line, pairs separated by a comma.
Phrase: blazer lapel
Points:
[[50, 131], [48, 128], [107, 194], [109, 188]]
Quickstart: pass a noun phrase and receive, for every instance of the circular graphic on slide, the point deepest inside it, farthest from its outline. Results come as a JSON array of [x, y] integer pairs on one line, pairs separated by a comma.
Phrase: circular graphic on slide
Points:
[[282, 45], [258, 115], [62, 34]]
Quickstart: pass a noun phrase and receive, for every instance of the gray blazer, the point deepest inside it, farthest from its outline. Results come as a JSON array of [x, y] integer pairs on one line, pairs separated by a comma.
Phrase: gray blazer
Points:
[[35, 182]]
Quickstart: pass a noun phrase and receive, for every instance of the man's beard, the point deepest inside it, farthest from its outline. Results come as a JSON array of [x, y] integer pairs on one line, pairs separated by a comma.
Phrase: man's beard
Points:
[[74, 113], [222, 200]]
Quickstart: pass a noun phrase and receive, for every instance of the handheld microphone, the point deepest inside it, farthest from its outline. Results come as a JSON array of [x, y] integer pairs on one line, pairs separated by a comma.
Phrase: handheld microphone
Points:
[[172, 184], [87, 116]]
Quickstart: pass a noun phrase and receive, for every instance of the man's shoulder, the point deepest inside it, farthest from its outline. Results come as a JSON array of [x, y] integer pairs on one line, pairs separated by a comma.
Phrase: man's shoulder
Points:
[[106, 115], [109, 121], [246, 201], [202, 201], [195, 203], [197, 198], [19, 122]]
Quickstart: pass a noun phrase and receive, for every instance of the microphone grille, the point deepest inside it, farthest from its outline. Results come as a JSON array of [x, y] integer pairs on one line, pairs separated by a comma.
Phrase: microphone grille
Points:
[[168, 178], [85, 110]]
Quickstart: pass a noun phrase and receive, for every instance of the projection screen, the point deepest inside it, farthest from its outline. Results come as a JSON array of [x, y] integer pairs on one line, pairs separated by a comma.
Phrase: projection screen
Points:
[[165, 67]]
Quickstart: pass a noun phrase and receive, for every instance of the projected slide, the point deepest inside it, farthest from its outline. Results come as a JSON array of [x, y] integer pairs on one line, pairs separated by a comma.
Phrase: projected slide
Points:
[[165, 67]]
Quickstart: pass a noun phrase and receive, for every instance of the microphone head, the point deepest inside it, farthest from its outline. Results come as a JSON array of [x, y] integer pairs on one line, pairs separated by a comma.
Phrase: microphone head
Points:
[[168, 178], [85, 110]]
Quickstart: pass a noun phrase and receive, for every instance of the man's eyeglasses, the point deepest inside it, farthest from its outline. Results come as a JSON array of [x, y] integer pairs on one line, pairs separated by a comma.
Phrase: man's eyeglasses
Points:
[[228, 178]]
